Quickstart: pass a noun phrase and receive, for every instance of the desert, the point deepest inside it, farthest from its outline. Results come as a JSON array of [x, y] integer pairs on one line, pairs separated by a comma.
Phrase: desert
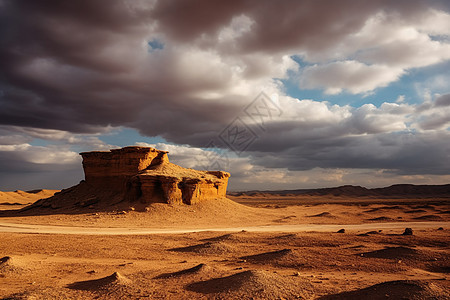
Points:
[[211, 149], [341, 243]]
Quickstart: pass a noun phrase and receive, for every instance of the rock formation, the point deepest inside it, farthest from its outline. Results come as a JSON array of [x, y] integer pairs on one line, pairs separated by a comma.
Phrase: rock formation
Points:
[[146, 175], [137, 176]]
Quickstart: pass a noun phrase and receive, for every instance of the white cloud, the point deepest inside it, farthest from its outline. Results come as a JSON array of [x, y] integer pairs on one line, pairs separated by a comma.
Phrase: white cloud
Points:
[[400, 99], [353, 76], [377, 54], [413, 50], [41, 155], [435, 22]]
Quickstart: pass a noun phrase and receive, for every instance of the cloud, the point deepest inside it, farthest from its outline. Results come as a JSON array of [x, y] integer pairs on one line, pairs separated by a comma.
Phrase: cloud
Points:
[[443, 101], [36, 155], [382, 50], [352, 76], [23, 166], [433, 115], [84, 66], [401, 153], [54, 164]]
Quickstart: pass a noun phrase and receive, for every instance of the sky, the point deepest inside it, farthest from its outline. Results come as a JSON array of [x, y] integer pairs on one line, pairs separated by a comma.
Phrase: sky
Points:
[[281, 94]]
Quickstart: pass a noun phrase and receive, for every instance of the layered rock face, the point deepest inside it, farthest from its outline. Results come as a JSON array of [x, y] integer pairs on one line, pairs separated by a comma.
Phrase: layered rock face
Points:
[[111, 170], [145, 175]]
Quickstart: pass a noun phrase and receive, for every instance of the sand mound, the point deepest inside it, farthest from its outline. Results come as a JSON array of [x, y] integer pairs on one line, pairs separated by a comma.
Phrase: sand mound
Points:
[[371, 210], [207, 248], [391, 207], [392, 253], [383, 218], [425, 206], [232, 237], [401, 289], [79, 197], [373, 232], [280, 258], [324, 214], [369, 233], [386, 207], [414, 211], [289, 236], [198, 269], [267, 256], [300, 240], [429, 218], [111, 282], [255, 285], [438, 268], [10, 265]]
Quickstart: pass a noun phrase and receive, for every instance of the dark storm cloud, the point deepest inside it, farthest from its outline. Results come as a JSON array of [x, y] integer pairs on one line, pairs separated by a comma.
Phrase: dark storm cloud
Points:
[[306, 25], [189, 20], [82, 65], [404, 154], [443, 100], [71, 66]]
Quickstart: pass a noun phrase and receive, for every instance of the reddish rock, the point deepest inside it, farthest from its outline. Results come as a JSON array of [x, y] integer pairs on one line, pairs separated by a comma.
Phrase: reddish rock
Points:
[[137, 176], [145, 174]]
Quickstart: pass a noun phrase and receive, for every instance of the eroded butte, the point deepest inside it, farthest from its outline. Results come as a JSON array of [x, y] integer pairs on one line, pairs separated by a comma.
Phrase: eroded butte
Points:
[[136, 177]]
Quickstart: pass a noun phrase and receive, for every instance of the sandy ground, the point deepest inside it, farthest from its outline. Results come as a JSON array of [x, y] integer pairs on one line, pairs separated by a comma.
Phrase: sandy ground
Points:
[[288, 250]]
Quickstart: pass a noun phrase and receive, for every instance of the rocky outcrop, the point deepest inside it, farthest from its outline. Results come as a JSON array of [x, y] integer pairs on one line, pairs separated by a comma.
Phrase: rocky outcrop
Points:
[[136, 177], [145, 175]]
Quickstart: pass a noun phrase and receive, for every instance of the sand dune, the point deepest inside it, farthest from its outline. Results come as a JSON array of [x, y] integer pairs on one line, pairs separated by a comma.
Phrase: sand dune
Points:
[[207, 248], [254, 284], [23, 198], [268, 256], [229, 237], [392, 253], [198, 269], [401, 289], [106, 283], [324, 214]]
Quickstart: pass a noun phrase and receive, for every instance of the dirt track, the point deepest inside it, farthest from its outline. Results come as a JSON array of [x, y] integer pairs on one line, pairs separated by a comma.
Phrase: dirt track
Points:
[[28, 228]]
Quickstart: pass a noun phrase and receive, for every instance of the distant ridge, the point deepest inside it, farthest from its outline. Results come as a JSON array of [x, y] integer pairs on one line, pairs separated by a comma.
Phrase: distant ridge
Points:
[[396, 190]]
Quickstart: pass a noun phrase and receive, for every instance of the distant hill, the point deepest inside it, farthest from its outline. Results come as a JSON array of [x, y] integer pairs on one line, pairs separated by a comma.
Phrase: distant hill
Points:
[[21, 197], [396, 190]]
